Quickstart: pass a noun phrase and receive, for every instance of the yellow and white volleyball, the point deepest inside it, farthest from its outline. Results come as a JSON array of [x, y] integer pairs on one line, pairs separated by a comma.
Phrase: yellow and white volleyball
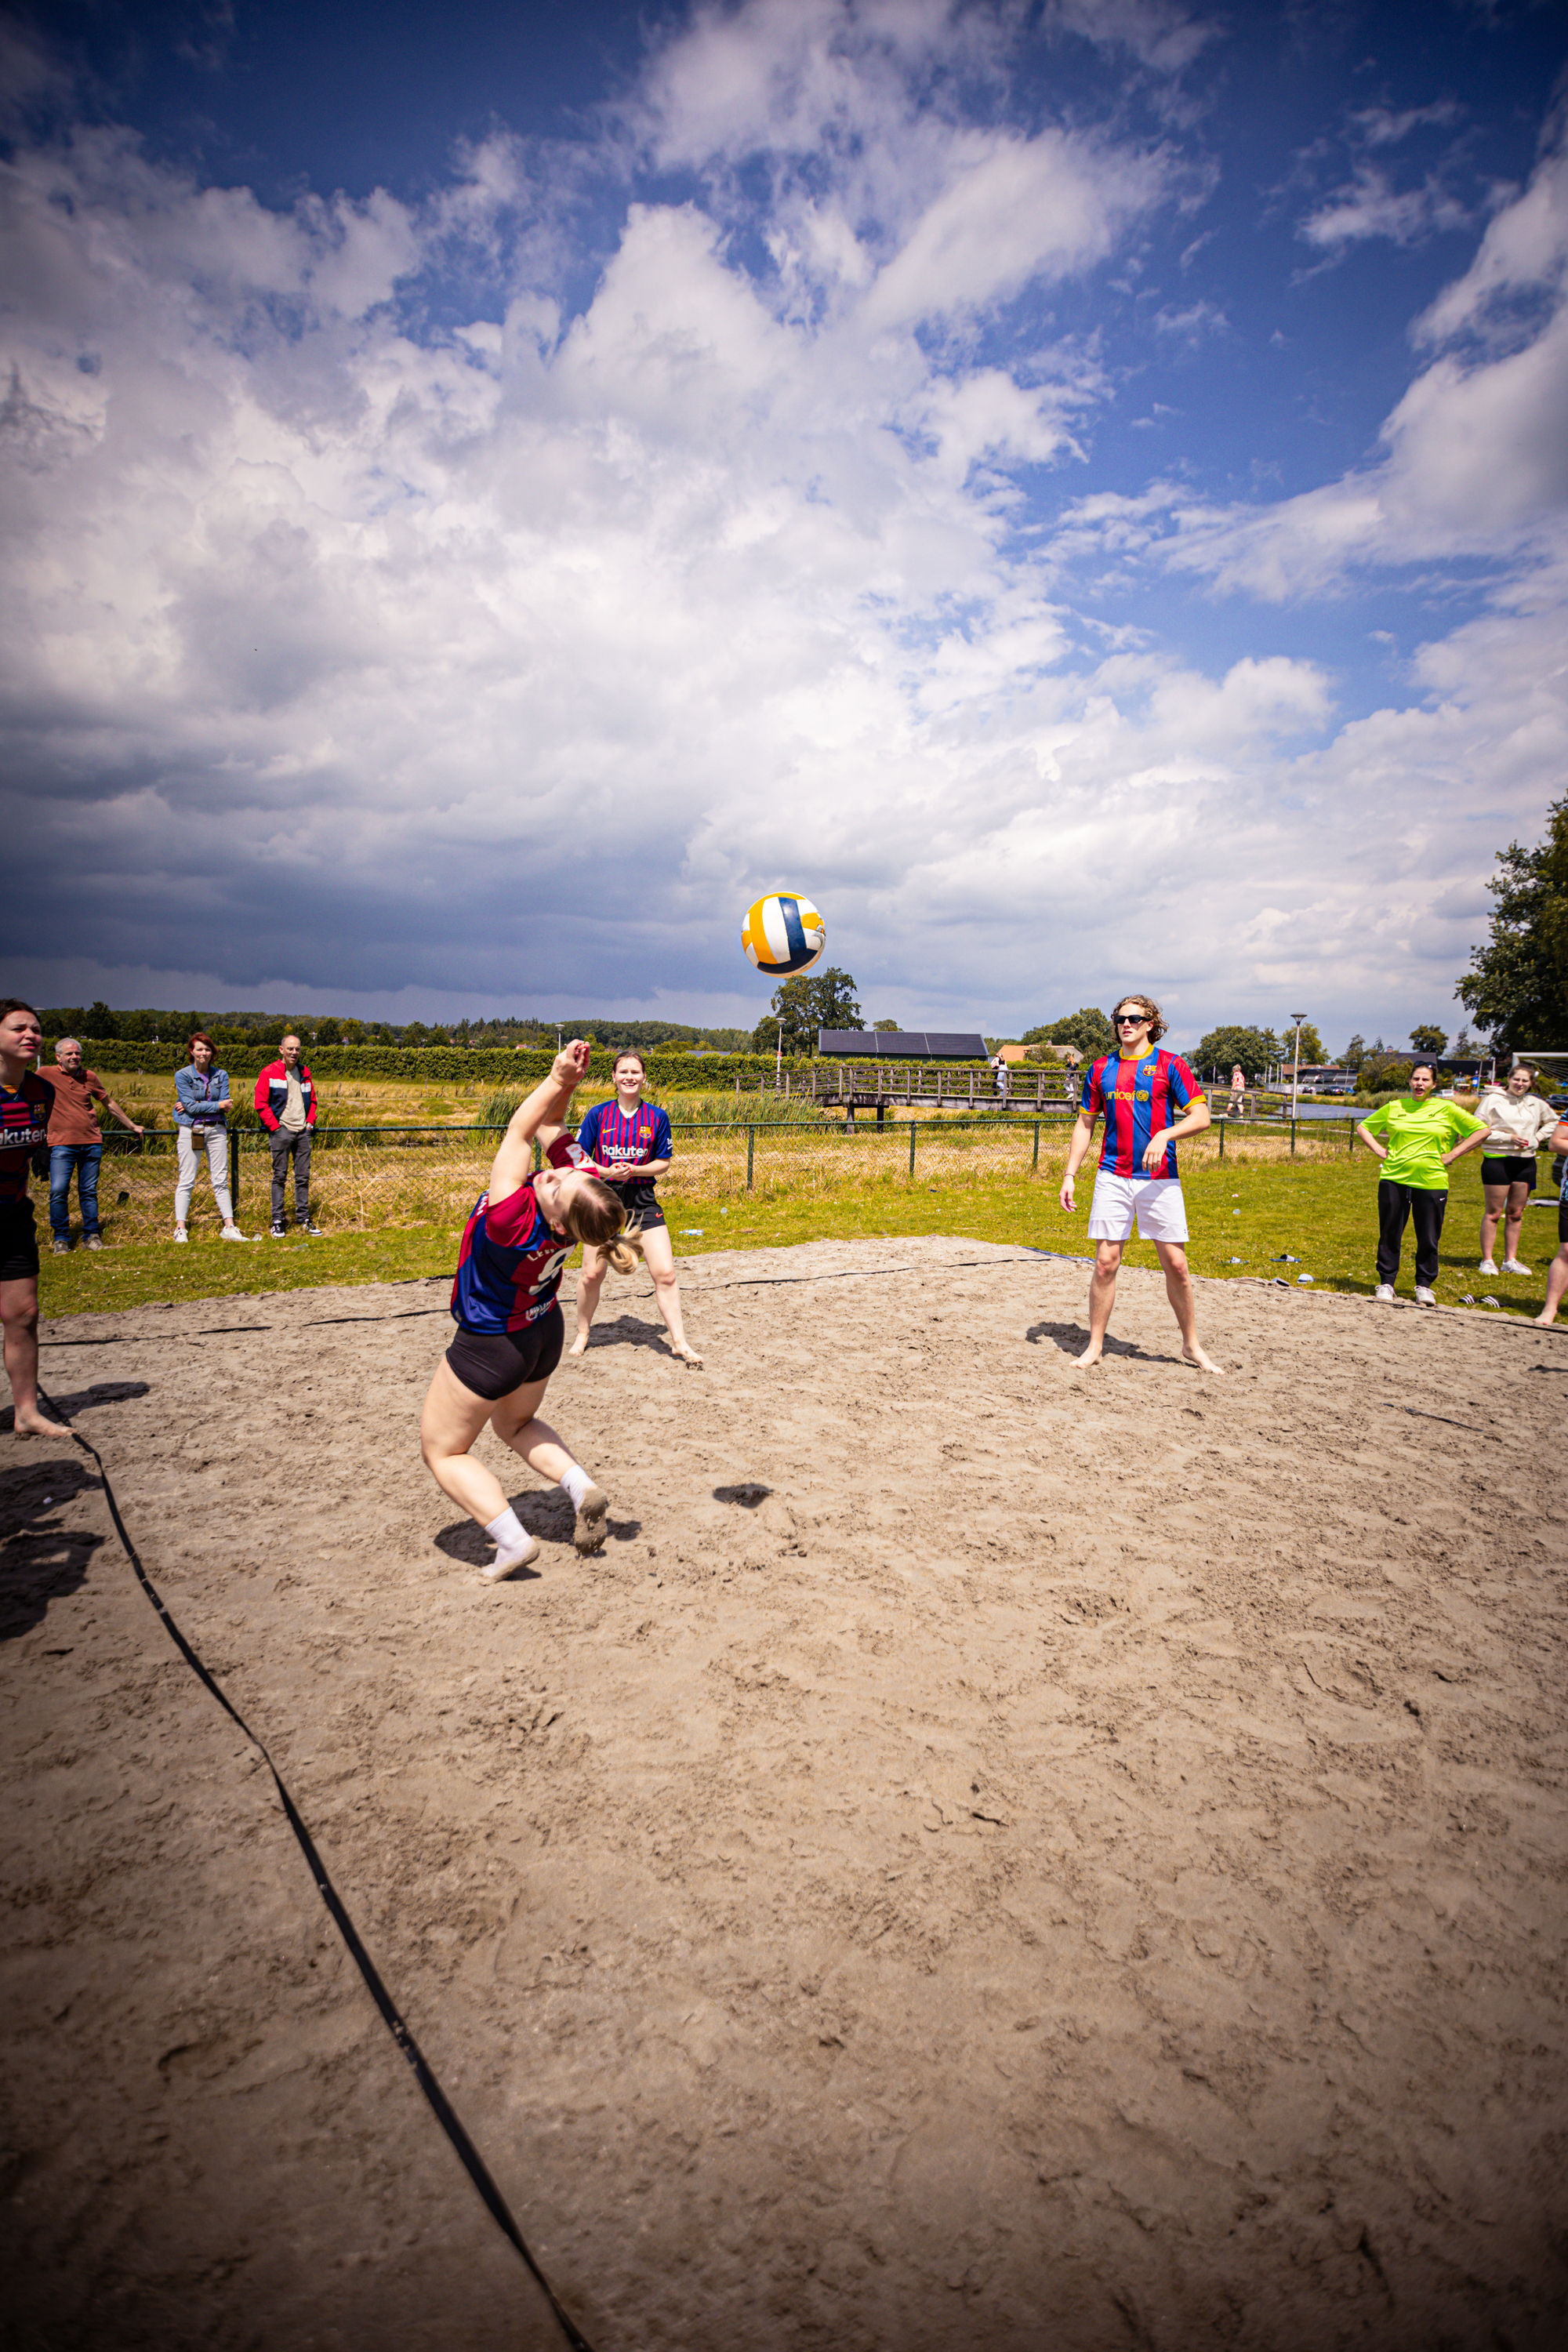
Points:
[[784, 934]]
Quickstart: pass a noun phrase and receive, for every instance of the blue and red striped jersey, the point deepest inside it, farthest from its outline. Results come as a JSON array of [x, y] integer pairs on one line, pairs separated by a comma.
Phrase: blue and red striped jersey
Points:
[[511, 1257], [615, 1141], [1137, 1099], [24, 1127]]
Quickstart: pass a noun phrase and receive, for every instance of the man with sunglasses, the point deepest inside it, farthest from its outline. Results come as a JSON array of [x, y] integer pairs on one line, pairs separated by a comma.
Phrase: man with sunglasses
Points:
[[1147, 1099]]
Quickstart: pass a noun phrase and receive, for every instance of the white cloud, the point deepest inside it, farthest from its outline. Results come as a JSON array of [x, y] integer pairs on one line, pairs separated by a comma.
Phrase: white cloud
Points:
[[1368, 206]]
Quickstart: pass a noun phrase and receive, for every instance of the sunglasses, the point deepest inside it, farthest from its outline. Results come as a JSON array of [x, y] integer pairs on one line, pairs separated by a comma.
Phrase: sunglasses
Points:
[[1133, 1020]]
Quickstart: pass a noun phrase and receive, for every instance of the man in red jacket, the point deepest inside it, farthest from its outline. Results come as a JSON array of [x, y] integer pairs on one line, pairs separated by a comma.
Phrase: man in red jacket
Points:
[[286, 1100]]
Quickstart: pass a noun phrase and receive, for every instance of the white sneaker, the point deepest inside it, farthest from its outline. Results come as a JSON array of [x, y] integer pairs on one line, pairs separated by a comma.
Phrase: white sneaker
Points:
[[231, 1233], [1485, 1267], [1384, 1294], [181, 1235], [1425, 1297], [1514, 1266]]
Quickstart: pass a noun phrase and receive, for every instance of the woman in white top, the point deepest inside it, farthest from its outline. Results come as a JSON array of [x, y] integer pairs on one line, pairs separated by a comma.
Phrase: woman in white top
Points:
[[1517, 1123]]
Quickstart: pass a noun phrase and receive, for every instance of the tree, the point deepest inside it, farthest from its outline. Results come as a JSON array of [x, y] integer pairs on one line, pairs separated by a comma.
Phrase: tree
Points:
[[885, 1026], [1223, 1048], [1312, 1049], [1088, 1029], [1354, 1053], [1518, 983], [1427, 1038], [98, 1020], [806, 1005]]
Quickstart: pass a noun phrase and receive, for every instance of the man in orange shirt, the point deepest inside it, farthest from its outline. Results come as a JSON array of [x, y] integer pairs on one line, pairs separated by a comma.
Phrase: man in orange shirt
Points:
[[75, 1142]]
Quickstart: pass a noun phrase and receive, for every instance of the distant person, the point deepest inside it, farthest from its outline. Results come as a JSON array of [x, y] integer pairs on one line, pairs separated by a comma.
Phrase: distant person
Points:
[[1237, 1107], [1424, 1141], [1004, 1077], [76, 1144], [286, 1100], [628, 1142], [1148, 1099], [1517, 1122], [26, 1101], [202, 1104], [1557, 1272]]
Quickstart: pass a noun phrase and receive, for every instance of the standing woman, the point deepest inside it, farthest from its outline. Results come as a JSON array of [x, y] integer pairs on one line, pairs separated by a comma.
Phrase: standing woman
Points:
[[1424, 1137], [510, 1328], [630, 1144], [1557, 1272], [1517, 1122], [25, 1102], [202, 1104]]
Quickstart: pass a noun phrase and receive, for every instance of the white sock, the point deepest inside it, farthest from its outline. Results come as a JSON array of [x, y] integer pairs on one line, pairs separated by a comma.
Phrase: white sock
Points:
[[507, 1532], [576, 1483]]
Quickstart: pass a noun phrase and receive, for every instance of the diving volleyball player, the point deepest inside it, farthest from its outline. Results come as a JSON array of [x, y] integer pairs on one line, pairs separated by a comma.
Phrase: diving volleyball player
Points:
[[1148, 1098], [509, 1326], [628, 1140]]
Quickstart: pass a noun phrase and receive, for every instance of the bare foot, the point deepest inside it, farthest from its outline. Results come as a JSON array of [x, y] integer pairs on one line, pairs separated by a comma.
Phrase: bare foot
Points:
[[33, 1423], [506, 1562], [579, 1346], [687, 1353], [1091, 1354], [1545, 1321], [1195, 1357], [592, 1521]]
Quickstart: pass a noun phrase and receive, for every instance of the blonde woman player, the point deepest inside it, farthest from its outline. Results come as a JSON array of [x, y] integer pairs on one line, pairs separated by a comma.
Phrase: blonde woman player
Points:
[[510, 1328], [628, 1142], [1518, 1124]]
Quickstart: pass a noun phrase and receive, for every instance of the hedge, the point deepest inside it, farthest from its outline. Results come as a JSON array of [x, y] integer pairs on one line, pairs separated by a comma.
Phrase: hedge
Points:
[[435, 1066]]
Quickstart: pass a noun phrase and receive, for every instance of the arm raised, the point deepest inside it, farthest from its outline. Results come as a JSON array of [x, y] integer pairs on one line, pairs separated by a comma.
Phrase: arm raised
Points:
[[542, 1113]]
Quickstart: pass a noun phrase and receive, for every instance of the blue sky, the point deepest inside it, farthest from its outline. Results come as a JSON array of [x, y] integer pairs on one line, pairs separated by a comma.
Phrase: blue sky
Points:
[[1079, 488]]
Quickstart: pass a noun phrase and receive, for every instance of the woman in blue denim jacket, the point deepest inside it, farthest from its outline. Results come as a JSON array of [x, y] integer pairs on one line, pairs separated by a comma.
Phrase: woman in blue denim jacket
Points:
[[201, 1103]]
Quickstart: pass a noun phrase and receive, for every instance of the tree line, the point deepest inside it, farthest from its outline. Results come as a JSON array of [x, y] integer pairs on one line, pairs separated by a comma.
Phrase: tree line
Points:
[[151, 1025]]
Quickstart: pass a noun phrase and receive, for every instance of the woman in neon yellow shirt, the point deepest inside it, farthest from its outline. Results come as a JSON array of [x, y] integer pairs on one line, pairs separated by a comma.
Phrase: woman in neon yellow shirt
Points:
[[1425, 1138]]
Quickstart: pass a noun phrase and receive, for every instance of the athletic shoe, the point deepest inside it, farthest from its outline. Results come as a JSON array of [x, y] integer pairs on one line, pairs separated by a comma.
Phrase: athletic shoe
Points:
[[1485, 1267], [231, 1233], [313, 1227], [59, 1244], [1385, 1293], [1425, 1297], [1510, 1265], [181, 1235], [95, 1241], [279, 1232]]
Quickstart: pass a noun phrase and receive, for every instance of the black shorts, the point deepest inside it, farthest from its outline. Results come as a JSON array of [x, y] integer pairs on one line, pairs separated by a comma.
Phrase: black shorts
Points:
[[1562, 1221], [642, 1206], [18, 1242], [493, 1363], [1508, 1167]]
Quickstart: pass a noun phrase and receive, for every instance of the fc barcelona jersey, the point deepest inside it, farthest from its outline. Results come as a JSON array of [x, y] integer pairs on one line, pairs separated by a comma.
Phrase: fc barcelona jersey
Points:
[[1137, 1099], [24, 1129], [617, 1138], [510, 1262]]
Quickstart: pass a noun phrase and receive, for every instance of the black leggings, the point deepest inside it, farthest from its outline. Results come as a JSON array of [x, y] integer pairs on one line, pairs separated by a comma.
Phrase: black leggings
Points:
[[1395, 1203]]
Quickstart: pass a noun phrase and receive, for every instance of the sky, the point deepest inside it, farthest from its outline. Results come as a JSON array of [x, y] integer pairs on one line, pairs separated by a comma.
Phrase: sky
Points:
[[1077, 488]]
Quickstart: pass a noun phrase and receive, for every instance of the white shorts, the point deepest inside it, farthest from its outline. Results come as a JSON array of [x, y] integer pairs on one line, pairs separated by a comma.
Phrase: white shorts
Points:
[[1156, 1201]]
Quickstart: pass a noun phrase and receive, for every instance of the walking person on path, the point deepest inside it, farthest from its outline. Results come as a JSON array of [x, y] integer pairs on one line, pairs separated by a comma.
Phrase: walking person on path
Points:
[[286, 1103], [25, 1100], [1424, 1136], [1148, 1098], [76, 1145], [202, 1104], [1557, 1272], [1517, 1122]]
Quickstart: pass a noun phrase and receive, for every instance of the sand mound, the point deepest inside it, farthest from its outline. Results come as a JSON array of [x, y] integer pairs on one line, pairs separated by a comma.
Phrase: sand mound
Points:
[[989, 1855]]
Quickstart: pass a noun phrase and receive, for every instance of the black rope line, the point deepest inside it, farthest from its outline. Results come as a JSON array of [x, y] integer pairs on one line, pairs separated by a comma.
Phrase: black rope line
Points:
[[424, 2073]]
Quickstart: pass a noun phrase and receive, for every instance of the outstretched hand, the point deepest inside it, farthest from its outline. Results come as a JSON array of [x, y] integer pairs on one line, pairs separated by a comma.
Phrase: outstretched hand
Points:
[[571, 1065]]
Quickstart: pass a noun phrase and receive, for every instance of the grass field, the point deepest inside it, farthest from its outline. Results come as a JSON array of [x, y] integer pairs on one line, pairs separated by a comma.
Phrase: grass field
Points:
[[1256, 1206]]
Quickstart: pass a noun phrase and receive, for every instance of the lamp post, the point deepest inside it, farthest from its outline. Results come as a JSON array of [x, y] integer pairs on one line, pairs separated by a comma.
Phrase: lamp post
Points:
[[1296, 1065], [778, 1070]]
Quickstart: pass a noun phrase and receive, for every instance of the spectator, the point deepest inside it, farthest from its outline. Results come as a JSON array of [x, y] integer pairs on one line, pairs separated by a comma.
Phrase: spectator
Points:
[[201, 1104], [1004, 1077], [1518, 1123], [1414, 1186], [1237, 1091], [286, 1099], [75, 1143], [24, 1104], [1557, 1272]]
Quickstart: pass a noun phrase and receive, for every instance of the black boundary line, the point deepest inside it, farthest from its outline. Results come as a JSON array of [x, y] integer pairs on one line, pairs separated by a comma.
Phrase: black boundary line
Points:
[[423, 2074]]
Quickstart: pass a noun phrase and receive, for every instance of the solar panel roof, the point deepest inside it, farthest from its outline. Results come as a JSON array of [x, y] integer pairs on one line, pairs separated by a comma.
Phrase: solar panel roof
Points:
[[902, 1045]]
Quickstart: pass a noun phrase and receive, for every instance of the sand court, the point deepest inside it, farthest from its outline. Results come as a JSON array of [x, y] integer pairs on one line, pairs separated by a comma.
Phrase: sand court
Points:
[[988, 1856]]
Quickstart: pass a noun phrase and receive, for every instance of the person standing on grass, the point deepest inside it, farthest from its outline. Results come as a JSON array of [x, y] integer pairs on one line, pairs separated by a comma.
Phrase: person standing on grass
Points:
[[628, 1142], [1517, 1123], [1425, 1136], [26, 1101], [75, 1143], [1148, 1098], [202, 1104], [286, 1102], [1557, 1272], [520, 1232]]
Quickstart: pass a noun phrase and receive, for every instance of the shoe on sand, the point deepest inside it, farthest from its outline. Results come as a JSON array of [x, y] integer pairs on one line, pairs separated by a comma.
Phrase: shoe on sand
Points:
[[1510, 1265], [1485, 1267], [1385, 1293], [1425, 1297], [592, 1521], [505, 1562]]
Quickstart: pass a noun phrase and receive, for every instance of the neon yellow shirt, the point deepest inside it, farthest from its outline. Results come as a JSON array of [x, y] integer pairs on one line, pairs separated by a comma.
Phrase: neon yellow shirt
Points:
[[1417, 1133]]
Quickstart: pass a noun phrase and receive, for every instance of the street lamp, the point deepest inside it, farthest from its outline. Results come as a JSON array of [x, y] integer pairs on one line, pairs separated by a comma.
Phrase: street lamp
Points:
[[778, 1073], [1296, 1065]]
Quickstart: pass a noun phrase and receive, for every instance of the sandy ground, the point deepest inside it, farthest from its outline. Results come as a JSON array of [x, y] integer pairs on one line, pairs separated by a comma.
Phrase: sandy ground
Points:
[[990, 1856]]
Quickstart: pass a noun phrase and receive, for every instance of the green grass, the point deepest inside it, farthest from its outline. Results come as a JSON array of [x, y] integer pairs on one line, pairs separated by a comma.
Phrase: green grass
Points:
[[1323, 1213]]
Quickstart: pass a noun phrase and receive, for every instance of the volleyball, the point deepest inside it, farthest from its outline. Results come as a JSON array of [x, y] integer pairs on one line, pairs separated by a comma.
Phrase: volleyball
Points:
[[783, 933]]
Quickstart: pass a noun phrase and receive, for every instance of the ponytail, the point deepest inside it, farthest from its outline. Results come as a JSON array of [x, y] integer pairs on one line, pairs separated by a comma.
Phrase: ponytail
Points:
[[594, 1217]]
